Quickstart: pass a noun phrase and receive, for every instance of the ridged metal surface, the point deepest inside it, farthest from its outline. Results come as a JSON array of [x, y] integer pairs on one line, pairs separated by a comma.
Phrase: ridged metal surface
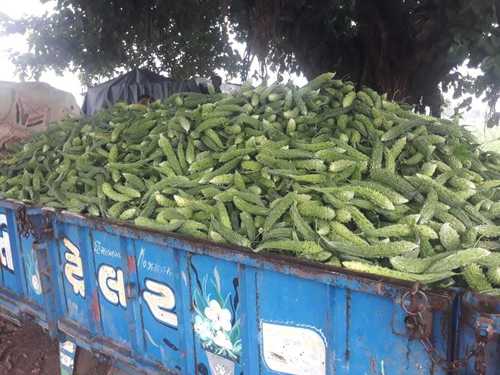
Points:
[[164, 303]]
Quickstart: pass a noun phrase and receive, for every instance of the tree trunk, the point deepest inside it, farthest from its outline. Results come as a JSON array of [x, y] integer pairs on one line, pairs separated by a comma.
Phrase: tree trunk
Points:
[[391, 49], [402, 54]]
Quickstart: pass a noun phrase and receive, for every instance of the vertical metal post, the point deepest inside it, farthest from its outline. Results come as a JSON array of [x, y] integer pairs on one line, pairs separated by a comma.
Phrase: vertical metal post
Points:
[[484, 332], [40, 248]]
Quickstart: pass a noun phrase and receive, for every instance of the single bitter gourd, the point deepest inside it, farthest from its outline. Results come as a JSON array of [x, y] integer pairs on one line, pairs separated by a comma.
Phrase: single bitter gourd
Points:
[[476, 279]]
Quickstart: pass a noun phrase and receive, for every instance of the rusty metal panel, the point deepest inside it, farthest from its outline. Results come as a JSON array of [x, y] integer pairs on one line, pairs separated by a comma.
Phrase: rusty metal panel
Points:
[[478, 334]]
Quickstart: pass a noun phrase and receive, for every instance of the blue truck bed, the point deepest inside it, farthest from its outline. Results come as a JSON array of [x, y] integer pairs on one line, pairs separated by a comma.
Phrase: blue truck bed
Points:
[[162, 303]]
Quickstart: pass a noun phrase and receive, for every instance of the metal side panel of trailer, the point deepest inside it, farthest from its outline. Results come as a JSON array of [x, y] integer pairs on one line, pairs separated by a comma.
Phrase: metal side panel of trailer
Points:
[[478, 334], [165, 304], [24, 292], [161, 303]]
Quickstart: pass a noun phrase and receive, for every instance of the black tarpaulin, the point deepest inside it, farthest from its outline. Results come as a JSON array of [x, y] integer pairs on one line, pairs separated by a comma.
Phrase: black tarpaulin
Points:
[[131, 86]]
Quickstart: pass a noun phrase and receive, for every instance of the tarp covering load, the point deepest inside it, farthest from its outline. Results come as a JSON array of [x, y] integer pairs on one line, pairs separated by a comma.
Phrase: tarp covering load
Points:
[[131, 87], [29, 107]]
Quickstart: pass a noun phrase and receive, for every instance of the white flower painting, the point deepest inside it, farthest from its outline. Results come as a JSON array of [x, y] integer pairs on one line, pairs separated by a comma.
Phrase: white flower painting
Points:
[[214, 321], [220, 317]]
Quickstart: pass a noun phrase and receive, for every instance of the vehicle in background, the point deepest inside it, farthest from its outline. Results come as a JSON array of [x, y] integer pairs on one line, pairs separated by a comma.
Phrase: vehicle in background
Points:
[[134, 87], [29, 107]]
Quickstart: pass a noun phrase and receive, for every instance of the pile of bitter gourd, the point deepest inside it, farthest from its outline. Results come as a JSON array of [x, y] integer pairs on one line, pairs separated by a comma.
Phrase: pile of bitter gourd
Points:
[[323, 172]]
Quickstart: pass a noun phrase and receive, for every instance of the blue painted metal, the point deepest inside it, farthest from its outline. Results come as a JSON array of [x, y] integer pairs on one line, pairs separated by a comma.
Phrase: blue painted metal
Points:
[[161, 303], [24, 292], [479, 321]]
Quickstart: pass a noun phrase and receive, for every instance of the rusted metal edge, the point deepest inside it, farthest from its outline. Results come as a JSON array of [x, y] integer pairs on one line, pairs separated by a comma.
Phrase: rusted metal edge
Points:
[[19, 311], [15, 204], [483, 303], [74, 329], [11, 203], [10, 317], [23, 304], [22, 212], [478, 308], [87, 340]]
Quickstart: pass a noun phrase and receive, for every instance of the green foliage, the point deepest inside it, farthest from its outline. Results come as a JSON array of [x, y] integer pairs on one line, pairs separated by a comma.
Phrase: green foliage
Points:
[[102, 38], [404, 48]]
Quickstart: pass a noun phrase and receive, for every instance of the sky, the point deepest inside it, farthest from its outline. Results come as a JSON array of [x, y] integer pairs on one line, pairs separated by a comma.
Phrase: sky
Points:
[[16, 9], [70, 82]]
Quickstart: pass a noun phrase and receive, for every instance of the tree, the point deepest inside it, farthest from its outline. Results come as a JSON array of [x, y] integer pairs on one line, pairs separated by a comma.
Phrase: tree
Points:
[[408, 48]]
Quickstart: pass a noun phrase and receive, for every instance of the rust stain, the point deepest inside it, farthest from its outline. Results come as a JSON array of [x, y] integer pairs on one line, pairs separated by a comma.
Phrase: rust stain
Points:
[[444, 325], [373, 365], [476, 307], [468, 315], [131, 264], [484, 303], [440, 301], [379, 287], [96, 310]]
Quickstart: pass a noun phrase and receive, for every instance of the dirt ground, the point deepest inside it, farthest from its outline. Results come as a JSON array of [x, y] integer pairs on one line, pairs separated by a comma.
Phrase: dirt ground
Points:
[[30, 350]]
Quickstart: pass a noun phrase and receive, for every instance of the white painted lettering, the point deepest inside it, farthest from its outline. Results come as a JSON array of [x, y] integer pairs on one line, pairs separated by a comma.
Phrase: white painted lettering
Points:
[[73, 269], [112, 285], [160, 299]]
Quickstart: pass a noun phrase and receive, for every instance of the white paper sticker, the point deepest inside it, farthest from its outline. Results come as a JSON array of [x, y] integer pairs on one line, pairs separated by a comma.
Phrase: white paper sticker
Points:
[[293, 350], [66, 360], [69, 346]]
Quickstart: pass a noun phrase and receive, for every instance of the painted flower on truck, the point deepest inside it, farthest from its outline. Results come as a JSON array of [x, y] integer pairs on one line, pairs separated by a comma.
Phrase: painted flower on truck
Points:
[[215, 322]]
